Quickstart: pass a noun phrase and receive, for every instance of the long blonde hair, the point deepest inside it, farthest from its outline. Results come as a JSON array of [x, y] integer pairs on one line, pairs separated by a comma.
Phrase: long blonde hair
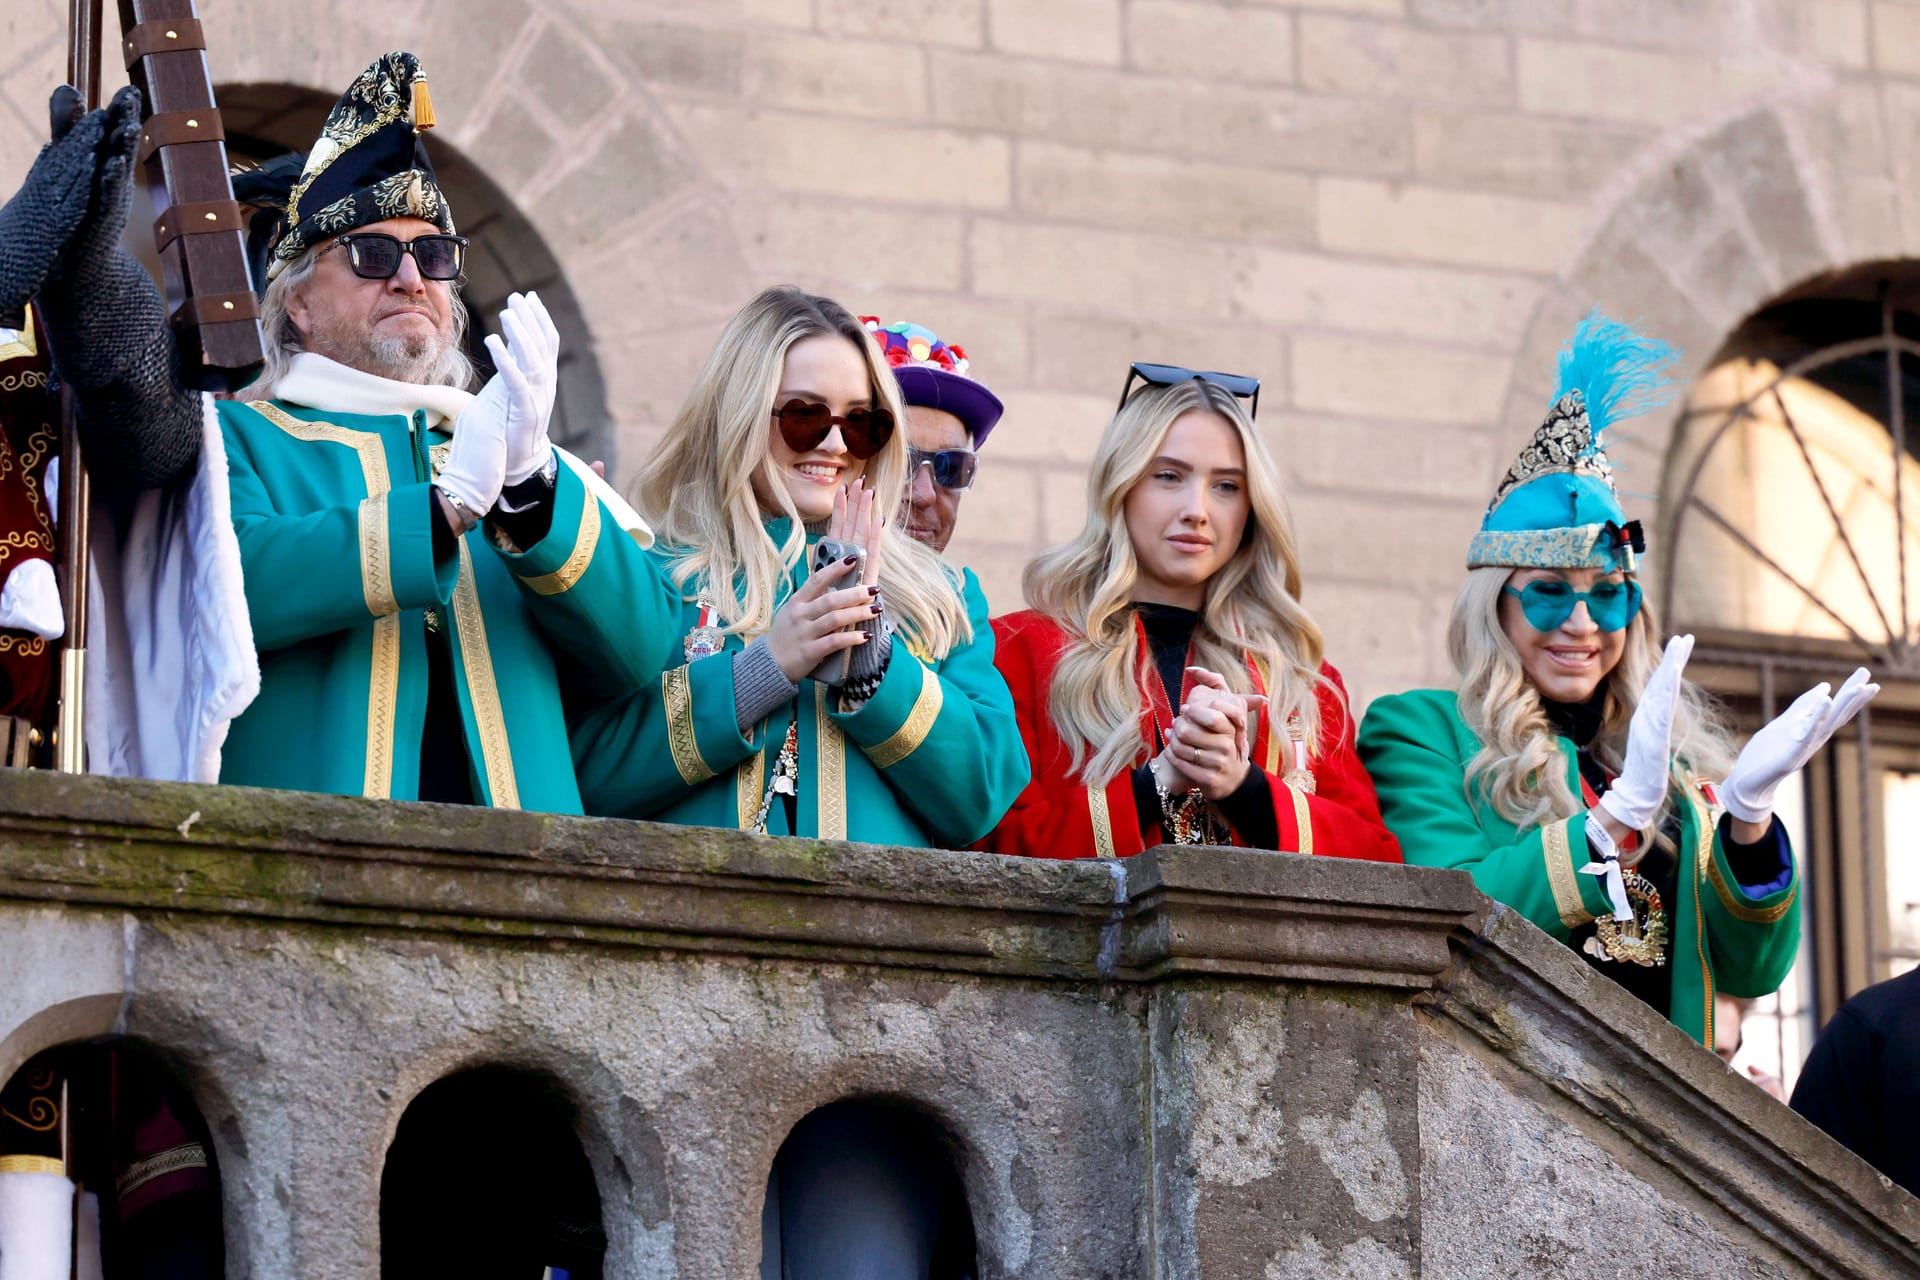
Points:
[[698, 488], [1519, 769], [1252, 606]]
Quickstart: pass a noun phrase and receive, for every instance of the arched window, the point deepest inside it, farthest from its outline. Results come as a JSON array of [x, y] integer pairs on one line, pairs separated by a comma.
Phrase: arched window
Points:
[[486, 1179], [506, 255], [862, 1189], [1792, 549], [104, 1155]]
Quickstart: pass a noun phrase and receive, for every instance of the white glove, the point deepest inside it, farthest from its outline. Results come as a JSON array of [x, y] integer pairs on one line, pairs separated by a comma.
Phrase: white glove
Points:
[[31, 601], [1637, 793], [1785, 744], [476, 465], [529, 360]]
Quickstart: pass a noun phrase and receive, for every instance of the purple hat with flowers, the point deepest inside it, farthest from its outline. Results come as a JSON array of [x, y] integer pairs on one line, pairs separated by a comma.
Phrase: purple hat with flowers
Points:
[[933, 375]]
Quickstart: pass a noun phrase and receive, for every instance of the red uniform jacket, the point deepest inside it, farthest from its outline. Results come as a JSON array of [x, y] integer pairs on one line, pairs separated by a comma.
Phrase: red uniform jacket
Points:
[[1059, 816]]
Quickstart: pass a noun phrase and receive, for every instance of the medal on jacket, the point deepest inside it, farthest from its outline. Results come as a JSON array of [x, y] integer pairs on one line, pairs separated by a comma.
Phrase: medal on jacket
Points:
[[705, 639], [1299, 777]]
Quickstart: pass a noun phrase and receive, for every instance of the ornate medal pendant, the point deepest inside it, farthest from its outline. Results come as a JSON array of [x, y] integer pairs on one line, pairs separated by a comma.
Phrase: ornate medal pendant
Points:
[[1299, 777], [1642, 940], [705, 639]]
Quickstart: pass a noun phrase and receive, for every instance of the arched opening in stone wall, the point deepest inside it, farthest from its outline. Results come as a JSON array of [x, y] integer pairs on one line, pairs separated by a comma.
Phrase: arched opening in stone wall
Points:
[[506, 255], [486, 1179], [104, 1155], [1792, 514], [866, 1187]]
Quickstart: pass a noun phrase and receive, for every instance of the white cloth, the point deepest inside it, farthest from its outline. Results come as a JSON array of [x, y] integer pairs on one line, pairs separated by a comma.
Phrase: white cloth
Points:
[[329, 386], [170, 656], [31, 600], [36, 1226]]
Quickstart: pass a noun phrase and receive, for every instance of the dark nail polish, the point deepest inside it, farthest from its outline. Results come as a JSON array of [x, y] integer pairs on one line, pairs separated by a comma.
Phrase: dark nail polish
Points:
[[873, 591], [851, 560]]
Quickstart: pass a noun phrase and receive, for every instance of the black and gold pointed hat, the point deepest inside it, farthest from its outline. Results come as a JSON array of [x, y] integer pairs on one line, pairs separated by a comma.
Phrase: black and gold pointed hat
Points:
[[369, 165]]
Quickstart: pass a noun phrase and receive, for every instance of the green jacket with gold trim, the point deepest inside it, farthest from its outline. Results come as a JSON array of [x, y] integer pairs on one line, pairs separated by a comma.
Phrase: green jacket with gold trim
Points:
[[1417, 747], [333, 513], [933, 759]]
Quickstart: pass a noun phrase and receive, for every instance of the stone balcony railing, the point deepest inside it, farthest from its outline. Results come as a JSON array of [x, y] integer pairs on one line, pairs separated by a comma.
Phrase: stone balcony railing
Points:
[[1194, 1063]]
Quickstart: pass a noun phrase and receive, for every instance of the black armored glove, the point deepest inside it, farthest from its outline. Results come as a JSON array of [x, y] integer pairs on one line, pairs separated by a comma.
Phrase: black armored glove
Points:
[[107, 325], [37, 223]]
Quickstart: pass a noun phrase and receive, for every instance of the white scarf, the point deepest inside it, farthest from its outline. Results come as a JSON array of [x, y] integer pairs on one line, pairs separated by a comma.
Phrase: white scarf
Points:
[[331, 387]]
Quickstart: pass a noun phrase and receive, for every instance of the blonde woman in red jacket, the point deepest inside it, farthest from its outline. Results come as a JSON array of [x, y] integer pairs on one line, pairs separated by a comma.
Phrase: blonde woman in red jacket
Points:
[[1168, 683]]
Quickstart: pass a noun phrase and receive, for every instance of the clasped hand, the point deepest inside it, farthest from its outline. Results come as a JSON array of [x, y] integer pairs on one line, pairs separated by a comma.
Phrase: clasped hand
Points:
[[815, 621], [501, 438], [1208, 745]]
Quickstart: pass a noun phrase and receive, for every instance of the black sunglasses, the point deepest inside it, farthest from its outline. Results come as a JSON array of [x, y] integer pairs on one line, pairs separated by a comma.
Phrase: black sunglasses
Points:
[[952, 468], [1170, 375], [805, 423], [373, 255]]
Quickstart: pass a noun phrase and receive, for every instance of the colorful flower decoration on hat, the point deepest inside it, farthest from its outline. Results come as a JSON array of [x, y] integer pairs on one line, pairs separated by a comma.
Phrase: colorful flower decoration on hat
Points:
[[908, 343], [934, 374]]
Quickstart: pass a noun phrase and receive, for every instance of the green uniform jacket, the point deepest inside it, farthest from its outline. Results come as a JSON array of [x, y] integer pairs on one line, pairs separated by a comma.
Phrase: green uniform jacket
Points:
[[1417, 748], [334, 517], [933, 759]]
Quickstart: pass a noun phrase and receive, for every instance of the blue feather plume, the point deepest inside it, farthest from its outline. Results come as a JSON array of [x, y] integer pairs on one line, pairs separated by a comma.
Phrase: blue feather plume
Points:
[[1620, 373]]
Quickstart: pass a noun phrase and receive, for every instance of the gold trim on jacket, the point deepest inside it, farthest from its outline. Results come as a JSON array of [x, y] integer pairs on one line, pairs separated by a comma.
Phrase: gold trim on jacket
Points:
[[919, 723], [584, 545], [383, 682], [503, 789]]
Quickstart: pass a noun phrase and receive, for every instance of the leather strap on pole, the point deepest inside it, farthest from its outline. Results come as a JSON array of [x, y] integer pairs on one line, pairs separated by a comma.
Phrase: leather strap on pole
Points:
[[162, 35], [172, 128], [206, 218]]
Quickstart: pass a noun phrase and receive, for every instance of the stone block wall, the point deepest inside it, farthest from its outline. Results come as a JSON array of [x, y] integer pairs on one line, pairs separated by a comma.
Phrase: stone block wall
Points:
[[1193, 1063], [1392, 211]]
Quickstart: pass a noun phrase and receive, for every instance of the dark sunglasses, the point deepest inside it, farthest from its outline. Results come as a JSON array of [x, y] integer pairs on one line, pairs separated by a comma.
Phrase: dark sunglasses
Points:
[[805, 423], [952, 468], [374, 255], [1171, 375], [1549, 602]]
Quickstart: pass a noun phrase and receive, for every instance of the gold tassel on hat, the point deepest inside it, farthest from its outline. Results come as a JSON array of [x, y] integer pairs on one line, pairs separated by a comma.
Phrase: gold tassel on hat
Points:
[[422, 105]]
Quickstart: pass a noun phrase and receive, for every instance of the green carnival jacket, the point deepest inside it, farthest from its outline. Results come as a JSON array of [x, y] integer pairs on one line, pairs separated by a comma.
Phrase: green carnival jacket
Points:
[[334, 517], [933, 759], [1417, 748]]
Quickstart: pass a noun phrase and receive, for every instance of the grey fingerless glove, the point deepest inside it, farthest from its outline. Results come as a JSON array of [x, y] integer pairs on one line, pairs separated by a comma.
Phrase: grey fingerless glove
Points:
[[140, 428], [42, 216], [759, 685], [867, 664]]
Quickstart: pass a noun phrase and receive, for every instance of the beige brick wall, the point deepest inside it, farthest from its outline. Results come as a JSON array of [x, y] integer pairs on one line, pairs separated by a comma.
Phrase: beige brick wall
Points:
[[1389, 210]]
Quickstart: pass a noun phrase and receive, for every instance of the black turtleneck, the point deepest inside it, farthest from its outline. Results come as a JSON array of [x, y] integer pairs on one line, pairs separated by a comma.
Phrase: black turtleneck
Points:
[[1249, 809]]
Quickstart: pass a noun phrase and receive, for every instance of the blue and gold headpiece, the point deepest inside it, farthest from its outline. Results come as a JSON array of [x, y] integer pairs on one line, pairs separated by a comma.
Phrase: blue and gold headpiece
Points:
[[1557, 507], [369, 164]]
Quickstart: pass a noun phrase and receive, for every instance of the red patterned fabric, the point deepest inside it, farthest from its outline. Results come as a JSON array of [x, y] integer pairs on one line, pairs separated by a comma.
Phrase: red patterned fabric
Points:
[[29, 440], [1055, 817]]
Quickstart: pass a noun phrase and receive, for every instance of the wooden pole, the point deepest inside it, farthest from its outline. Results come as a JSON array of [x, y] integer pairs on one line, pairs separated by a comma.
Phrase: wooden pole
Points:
[[69, 735]]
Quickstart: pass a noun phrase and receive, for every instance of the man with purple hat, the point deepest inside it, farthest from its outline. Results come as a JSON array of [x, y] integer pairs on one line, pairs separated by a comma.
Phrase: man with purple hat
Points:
[[948, 418]]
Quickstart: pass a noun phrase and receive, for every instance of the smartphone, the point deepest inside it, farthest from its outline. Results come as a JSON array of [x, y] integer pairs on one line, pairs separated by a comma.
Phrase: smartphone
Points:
[[829, 554]]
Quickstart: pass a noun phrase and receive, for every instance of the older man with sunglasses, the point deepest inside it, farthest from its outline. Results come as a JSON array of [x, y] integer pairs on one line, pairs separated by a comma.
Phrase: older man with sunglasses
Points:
[[948, 418], [424, 571]]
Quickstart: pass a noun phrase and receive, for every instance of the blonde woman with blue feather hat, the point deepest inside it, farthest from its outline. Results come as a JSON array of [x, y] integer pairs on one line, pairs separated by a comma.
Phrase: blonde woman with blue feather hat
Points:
[[1576, 773]]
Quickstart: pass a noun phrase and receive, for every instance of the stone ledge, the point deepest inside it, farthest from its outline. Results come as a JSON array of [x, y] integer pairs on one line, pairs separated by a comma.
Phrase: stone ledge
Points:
[[342, 860], [1537, 1005]]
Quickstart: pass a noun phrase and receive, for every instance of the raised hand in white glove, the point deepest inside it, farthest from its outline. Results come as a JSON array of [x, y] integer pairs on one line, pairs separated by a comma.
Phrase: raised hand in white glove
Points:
[[529, 360], [1635, 796], [1785, 744], [476, 465]]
